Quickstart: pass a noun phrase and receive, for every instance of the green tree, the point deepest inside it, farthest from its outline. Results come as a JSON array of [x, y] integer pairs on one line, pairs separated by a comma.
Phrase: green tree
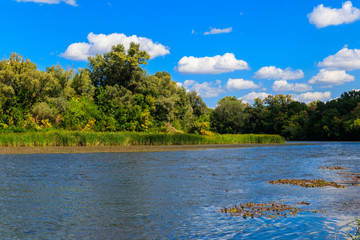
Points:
[[228, 116], [197, 104], [60, 82], [118, 67], [256, 117], [21, 85], [81, 83]]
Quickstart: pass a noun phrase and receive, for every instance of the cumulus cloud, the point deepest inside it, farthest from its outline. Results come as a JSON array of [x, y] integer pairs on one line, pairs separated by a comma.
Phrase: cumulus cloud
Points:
[[206, 89], [218, 31], [211, 65], [251, 96], [324, 16], [101, 43], [284, 86], [70, 2], [345, 59], [331, 77], [273, 72], [179, 84], [238, 84], [312, 96]]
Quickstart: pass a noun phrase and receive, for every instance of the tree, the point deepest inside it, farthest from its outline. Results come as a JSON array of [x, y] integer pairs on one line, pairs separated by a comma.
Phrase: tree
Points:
[[197, 104], [256, 117], [60, 82], [118, 67], [20, 79], [228, 116], [81, 83], [22, 85]]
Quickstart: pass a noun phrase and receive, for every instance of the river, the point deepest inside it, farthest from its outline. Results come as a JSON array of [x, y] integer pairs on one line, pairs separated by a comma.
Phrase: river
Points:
[[174, 195]]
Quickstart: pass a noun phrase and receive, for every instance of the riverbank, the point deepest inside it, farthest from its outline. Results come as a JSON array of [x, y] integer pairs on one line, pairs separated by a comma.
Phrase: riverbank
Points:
[[94, 139], [124, 149]]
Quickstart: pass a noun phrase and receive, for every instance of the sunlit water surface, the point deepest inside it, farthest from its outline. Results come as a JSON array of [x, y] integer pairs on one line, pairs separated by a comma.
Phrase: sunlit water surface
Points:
[[173, 195]]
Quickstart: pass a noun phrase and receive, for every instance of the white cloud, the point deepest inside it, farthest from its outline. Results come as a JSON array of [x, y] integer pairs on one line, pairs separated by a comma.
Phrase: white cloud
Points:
[[206, 89], [331, 77], [284, 86], [101, 43], [218, 31], [179, 84], [273, 72], [211, 65], [345, 59], [188, 83], [324, 16], [251, 96], [238, 84], [70, 2], [312, 96]]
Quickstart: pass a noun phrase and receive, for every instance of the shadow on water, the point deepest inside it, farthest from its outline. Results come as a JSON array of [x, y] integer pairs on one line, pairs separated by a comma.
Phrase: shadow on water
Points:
[[175, 195]]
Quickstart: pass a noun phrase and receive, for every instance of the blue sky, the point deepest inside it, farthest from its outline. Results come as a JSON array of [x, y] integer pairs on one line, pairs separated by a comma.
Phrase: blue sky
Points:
[[310, 49]]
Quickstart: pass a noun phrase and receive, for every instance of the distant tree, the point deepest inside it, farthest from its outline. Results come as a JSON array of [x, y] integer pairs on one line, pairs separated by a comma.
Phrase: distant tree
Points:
[[60, 82], [228, 116], [21, 80], [118, 67], [197, 104], [81, 83], [256, 117], [21, 85]]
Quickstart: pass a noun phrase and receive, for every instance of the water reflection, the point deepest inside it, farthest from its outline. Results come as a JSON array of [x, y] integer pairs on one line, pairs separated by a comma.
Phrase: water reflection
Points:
[[174, 195]]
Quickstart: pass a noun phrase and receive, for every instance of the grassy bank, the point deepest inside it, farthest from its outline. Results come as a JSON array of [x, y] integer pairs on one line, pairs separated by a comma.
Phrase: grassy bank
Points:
[[67, 138]]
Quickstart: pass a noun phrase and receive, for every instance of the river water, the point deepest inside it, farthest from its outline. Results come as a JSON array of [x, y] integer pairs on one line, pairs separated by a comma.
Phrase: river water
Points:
[[174, 195]]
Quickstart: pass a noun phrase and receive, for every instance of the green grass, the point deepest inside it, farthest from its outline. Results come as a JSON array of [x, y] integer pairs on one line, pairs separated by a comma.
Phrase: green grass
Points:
[[351, 229], [69, 138]]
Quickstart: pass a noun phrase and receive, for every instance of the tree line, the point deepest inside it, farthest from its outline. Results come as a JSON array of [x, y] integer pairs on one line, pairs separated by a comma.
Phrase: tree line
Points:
[[115, 93], [335, 120]]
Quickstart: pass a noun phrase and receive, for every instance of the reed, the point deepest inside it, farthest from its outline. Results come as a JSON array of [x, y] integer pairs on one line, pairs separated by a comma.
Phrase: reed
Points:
[[246, 139], [69, 138], [351, 228]]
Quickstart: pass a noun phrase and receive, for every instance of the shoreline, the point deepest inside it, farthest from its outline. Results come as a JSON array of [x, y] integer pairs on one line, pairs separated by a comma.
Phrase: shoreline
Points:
[[134, 148]]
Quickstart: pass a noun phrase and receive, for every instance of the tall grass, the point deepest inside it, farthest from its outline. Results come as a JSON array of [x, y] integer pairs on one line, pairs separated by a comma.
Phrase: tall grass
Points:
[[246, 139], [351, 228], [67, 138]]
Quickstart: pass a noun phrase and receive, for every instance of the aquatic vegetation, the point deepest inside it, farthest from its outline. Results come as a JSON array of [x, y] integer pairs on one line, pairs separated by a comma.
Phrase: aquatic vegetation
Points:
[[356, 235], [269, 210], [334, 168], [349, 173], [351, 226], [245, 138], [79, 138], [307, 183], [353, 178]]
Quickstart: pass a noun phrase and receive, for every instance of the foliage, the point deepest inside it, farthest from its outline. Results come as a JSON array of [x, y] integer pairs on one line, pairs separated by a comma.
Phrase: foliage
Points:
[[356, 235], [118, 66], [115, 93], [352, 227], [88, 138], [80, 115], [229, 116], [201, 125]]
